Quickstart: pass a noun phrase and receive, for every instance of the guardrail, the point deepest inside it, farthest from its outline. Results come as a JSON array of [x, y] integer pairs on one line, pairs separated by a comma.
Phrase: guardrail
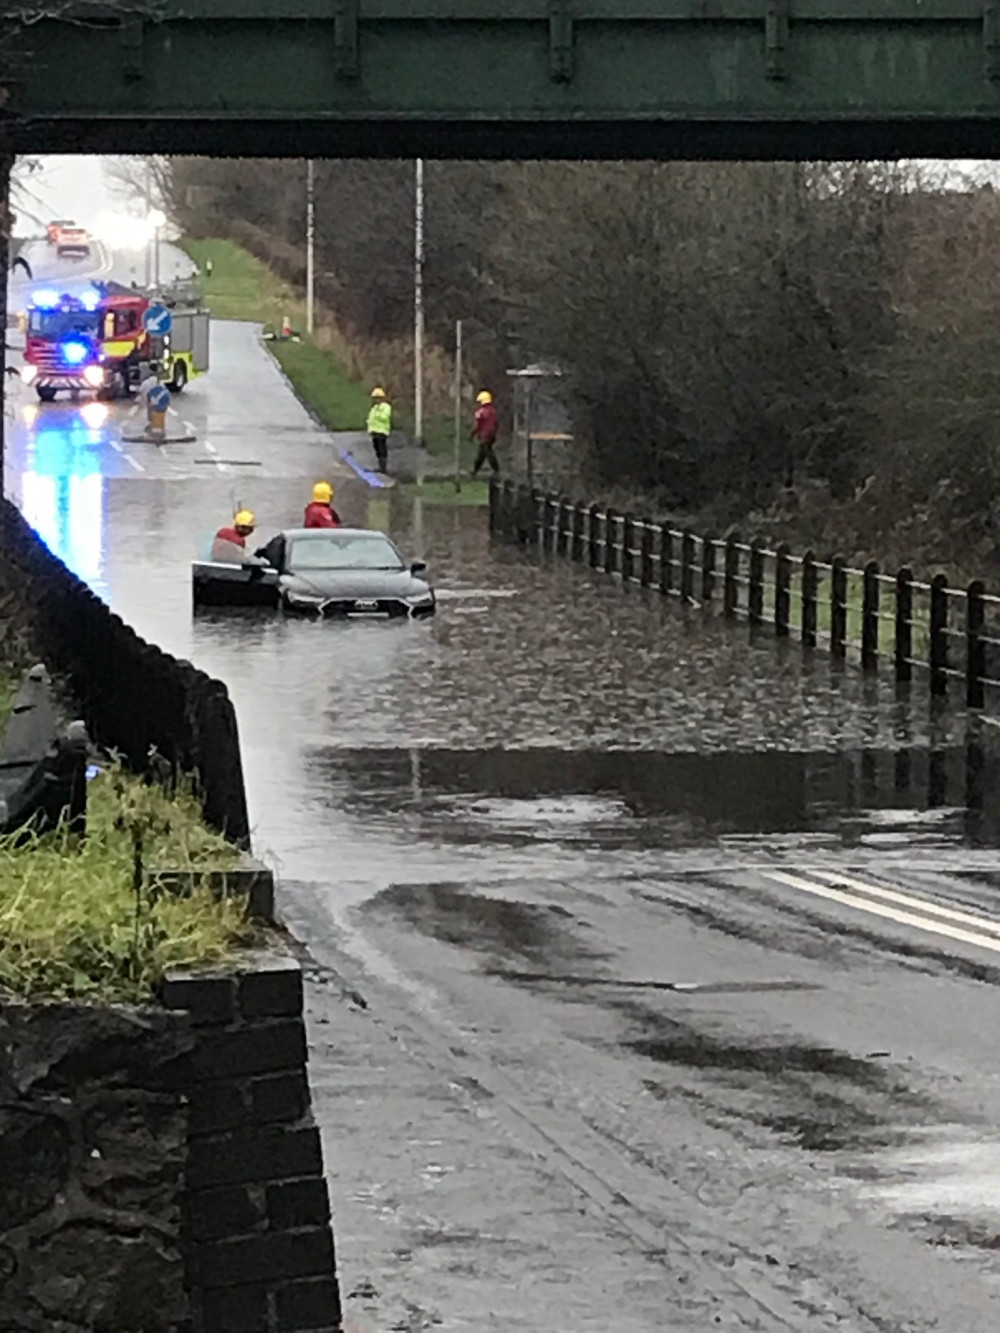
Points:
[[879, 618]]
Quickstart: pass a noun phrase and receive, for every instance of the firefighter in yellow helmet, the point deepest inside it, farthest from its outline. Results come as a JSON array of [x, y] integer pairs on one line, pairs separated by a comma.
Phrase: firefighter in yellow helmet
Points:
[[320, 512], [485, 429], [229, 546], [380, 426]]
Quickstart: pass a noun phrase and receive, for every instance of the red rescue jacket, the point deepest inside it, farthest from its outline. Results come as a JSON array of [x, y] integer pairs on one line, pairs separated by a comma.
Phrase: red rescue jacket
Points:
[[486, 427], [230, 535], [319, 515]]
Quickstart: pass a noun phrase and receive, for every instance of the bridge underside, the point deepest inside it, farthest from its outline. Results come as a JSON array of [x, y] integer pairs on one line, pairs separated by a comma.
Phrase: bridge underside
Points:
[[542, 78]]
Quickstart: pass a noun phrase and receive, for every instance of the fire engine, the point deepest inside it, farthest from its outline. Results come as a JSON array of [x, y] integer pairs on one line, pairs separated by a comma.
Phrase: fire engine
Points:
[[95, 340]]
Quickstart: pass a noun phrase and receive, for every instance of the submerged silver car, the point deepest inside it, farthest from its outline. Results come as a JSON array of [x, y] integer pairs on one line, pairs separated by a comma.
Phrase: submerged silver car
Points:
[[319, 571]]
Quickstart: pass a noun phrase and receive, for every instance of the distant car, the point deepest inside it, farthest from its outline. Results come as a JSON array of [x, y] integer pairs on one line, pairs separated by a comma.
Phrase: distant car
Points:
[[319, 571], [54, 229], [73, 242]]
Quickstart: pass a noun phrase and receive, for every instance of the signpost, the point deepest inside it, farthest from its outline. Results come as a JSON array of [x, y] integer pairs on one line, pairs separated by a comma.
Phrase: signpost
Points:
[[157, 402], [157, 319]]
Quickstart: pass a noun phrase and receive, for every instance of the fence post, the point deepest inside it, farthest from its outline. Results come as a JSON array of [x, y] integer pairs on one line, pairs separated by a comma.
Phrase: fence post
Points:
[[730, 575], [687, 565], [646, 554], [550, 513], [939, 634], [494, 502], [576, 545], [838, 606], [562, 525], [610, 523], [707, 569], [666, 558], [869, 617], [755, 592], [975, 644], [593, 536], [809, 599], [628, 538], [782, 590], [904, 624]]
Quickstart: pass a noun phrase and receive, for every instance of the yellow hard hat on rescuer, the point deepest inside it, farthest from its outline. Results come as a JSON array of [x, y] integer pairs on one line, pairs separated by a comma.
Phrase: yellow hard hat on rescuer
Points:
[[244, 519], [378, 393], [322, 492], [484, 397]]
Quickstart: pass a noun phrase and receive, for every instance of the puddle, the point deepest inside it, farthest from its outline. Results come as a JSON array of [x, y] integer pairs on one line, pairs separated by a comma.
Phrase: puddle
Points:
[[649, 799], [490, 925]]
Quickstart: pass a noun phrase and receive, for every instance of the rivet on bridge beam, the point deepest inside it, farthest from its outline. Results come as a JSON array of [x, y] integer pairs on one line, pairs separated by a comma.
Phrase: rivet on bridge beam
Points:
[[560, 41], [991, 39], [776, 38]]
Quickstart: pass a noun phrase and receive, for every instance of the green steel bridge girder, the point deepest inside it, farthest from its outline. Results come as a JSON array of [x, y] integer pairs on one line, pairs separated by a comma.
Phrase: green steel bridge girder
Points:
[[517, 78]]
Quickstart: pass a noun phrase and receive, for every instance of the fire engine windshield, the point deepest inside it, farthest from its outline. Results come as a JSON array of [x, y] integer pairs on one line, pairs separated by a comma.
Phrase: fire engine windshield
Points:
[[58, 323]]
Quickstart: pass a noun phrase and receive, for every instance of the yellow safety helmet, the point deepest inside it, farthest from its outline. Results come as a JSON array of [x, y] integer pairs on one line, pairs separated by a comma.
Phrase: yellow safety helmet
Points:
[[378, 393], [323, 492], [484, 397], [244, 519]]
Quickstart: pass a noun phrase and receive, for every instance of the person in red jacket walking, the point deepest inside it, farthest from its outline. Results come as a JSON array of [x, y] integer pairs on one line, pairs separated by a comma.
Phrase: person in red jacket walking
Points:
[[485, 430], [320, 512]]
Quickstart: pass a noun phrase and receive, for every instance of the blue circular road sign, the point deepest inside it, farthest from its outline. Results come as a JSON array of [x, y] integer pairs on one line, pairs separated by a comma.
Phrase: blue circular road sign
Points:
[[158, 397], [157, 319]]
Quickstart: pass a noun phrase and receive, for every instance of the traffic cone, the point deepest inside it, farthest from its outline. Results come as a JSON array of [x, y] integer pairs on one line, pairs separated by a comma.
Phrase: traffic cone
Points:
[[286, 327]]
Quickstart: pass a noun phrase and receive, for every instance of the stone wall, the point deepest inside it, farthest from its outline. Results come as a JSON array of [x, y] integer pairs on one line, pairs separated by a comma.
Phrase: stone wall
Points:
[[93, 1145], [160, 1171]]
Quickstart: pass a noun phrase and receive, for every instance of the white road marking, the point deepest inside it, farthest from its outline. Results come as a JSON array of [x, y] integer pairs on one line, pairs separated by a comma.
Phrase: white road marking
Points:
[[210, 447], [910, 900], [190, 428], [118, 448], [923, 921], [135, 463]]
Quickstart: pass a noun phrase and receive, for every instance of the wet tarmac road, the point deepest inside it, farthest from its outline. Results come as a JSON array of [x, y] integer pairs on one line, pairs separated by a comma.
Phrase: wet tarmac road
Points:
[[678, 956]]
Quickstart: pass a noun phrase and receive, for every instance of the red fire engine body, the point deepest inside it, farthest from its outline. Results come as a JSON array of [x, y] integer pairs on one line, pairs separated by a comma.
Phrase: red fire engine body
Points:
[[92, 341]]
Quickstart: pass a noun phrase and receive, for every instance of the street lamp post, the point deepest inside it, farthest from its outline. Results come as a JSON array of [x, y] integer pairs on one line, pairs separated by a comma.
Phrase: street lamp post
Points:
[[418, 307], [310, 241], [156, 220]]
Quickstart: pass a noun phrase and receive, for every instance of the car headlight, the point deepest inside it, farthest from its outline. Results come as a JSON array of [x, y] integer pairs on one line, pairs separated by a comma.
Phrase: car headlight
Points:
[[304, 599], [28, 373], [94, 376]]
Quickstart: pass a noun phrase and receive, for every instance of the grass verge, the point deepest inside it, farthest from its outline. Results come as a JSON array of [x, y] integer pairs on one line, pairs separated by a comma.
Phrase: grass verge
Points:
[[79, 924], [474, 494]]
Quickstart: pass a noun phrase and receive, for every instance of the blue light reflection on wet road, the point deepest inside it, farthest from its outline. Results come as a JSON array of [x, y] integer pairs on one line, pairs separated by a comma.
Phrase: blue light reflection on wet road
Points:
[[62, 489]]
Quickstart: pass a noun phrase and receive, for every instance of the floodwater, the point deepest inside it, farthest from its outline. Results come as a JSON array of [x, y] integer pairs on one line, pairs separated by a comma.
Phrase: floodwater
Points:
[[542, 706]]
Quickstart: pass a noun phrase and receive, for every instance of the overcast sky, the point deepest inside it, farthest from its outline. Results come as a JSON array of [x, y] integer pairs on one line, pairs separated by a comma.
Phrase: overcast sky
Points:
[[78, 188]]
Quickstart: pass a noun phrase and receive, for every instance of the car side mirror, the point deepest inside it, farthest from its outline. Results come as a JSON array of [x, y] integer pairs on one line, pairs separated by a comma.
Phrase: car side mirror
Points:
[[418, 566]]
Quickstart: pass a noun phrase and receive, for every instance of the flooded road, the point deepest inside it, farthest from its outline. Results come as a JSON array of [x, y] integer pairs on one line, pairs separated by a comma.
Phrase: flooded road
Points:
[[655, 971]]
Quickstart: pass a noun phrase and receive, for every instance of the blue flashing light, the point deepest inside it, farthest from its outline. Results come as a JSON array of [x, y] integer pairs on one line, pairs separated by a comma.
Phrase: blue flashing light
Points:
[[74, 351], [46, 300], [90, 299]]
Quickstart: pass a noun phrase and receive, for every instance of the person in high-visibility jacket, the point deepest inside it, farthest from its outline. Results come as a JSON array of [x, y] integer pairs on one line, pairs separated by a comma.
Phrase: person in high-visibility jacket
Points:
[[379, 427]]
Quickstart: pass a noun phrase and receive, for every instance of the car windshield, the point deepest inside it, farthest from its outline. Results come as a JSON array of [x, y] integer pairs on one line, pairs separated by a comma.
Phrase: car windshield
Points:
[[343, 550]]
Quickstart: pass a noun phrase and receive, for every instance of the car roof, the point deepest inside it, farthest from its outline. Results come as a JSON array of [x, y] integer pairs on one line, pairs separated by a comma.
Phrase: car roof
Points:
[[318, 533]]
